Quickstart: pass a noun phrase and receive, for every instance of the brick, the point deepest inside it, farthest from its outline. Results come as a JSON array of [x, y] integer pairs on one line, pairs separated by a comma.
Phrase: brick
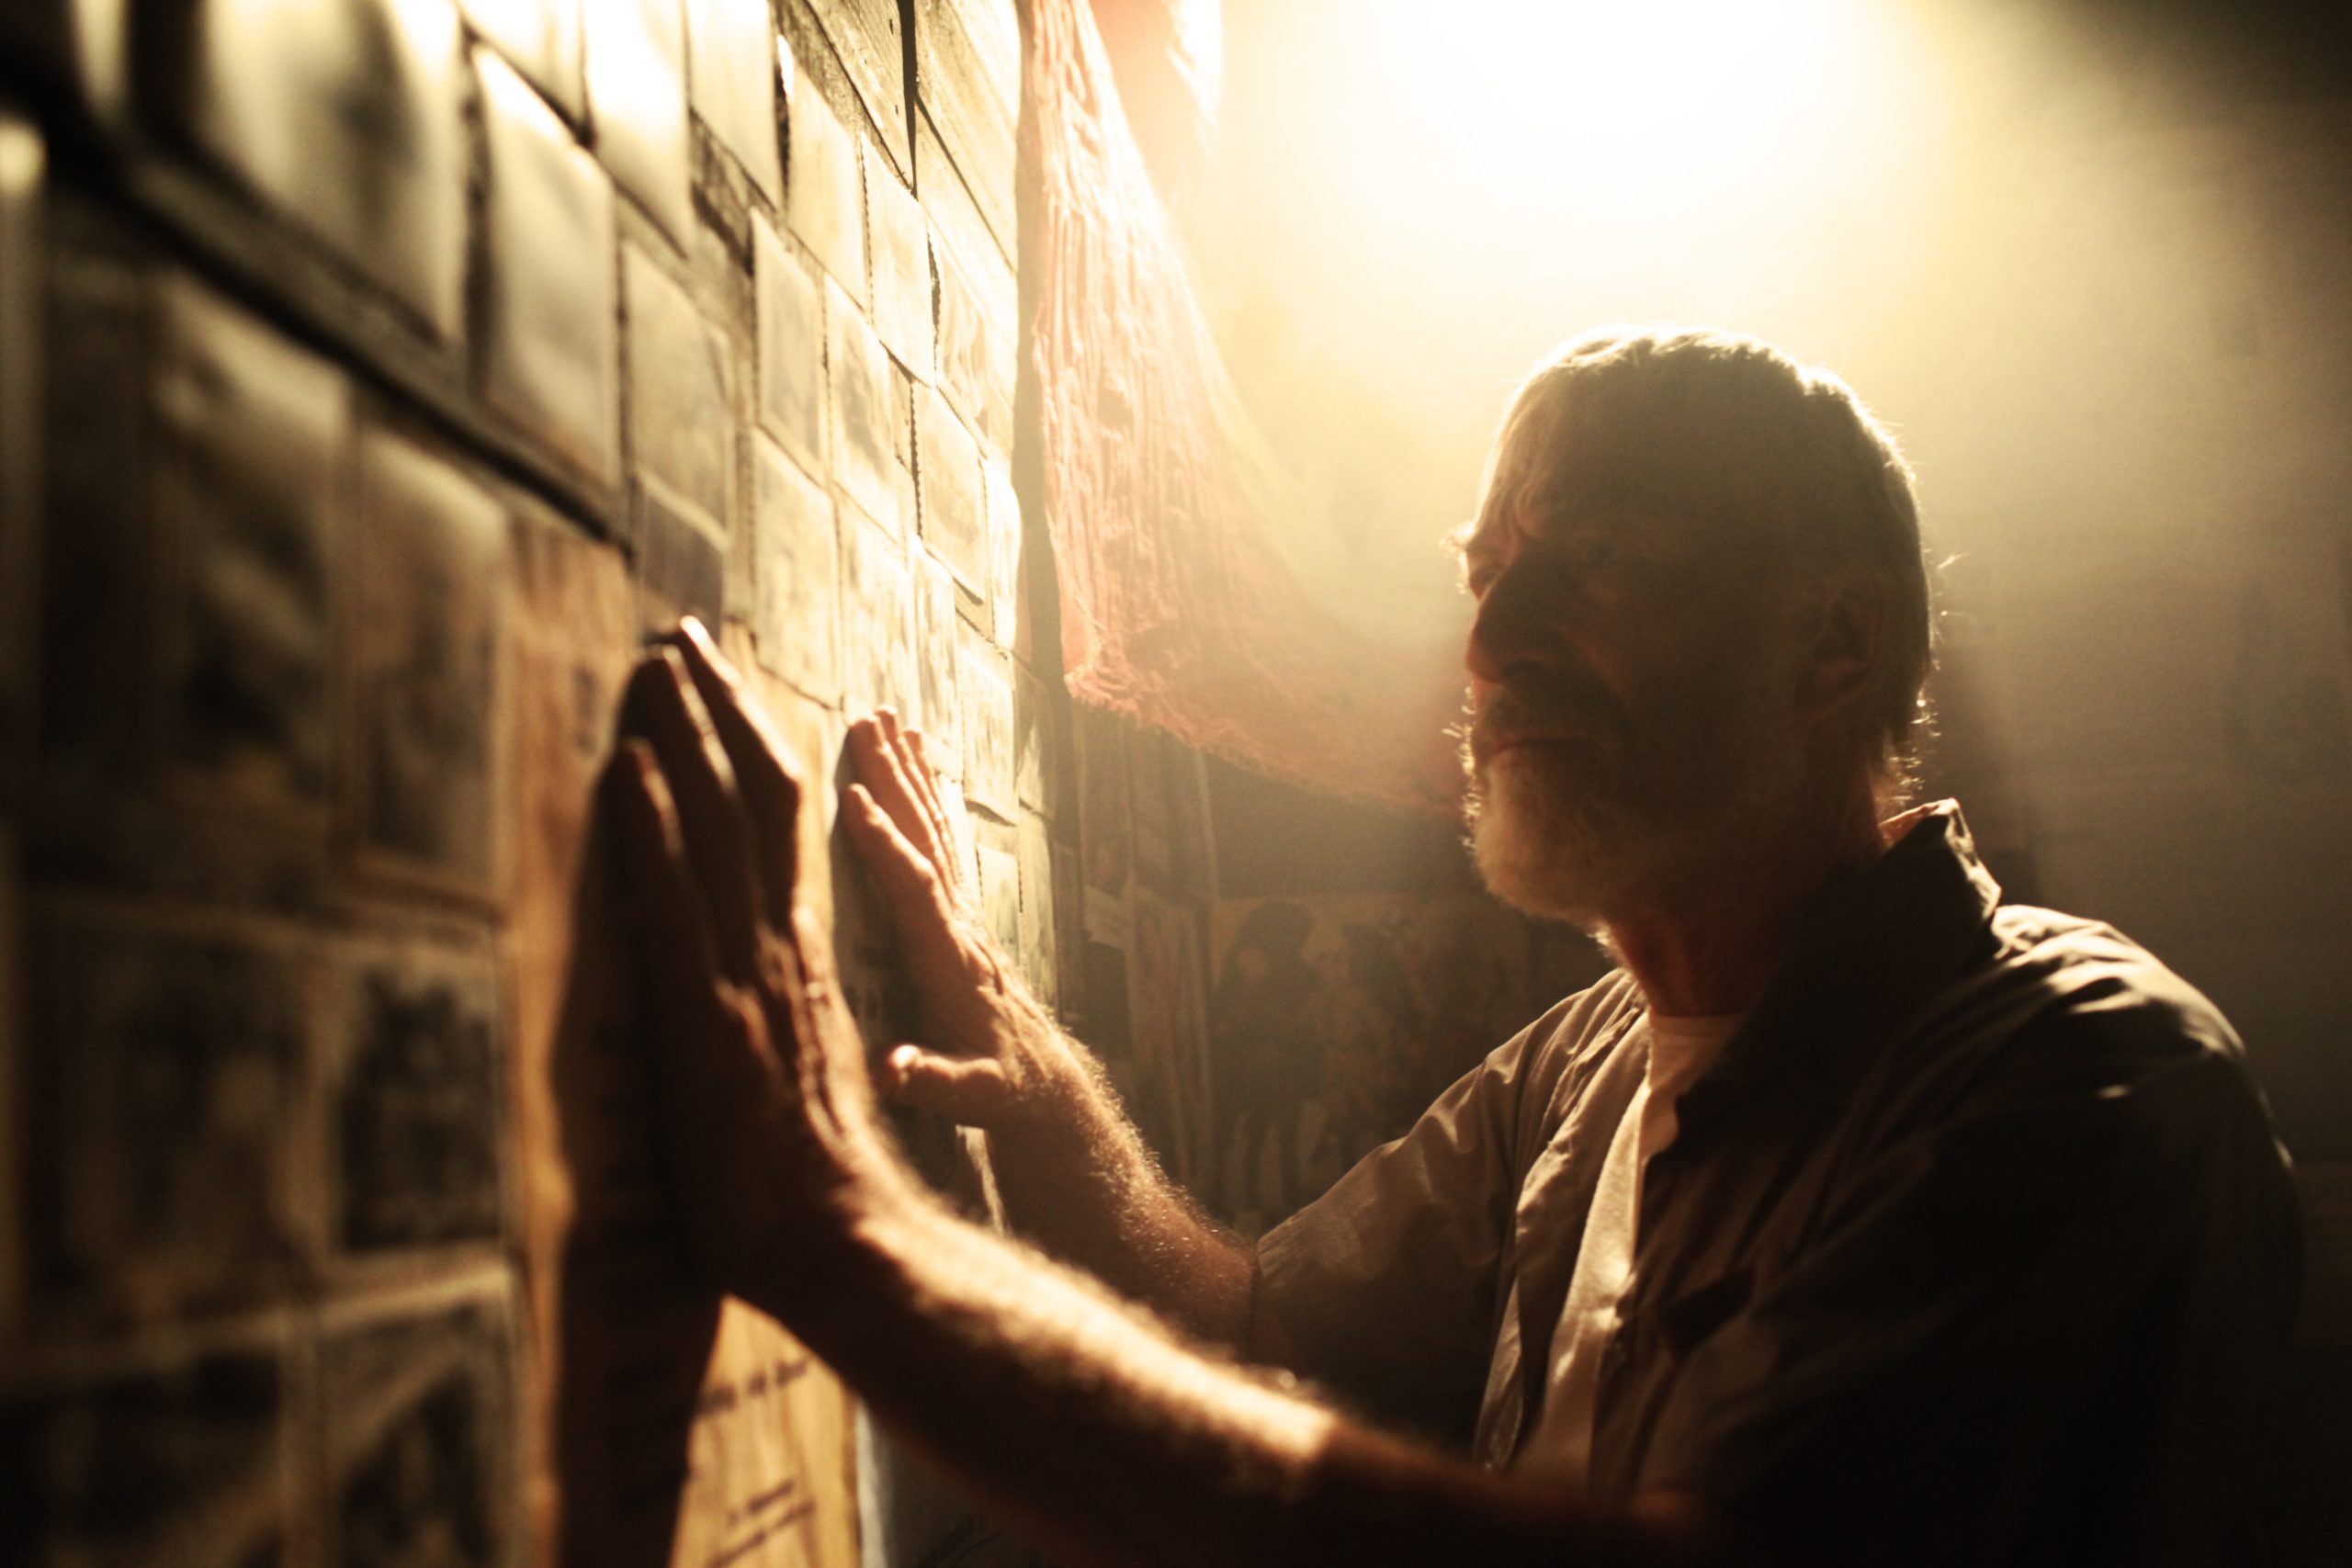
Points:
[[254, 433], [954, 506], [430, 566], [935, 659], [681, 415], [864, 439], [985, 676], [823, 204], [796, 574], [549, 355], [791, 338], [877, 619], [415, 1100], [733, 70], [968, 76], [637, 93], [902, 269], [541, 38], [348, 117], [865, 34], [168, 1064]]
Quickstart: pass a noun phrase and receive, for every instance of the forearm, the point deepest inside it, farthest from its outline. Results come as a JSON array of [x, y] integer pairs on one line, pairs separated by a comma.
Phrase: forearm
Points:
[[1088, 1425], [1080, 1184]]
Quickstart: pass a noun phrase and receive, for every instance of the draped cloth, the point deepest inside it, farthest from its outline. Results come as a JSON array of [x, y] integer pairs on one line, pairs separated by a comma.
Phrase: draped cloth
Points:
[[1177, 607]]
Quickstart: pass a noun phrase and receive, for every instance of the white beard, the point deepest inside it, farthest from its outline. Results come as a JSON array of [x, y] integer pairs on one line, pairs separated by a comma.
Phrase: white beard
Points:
[[1547, 847], [1574, 835]]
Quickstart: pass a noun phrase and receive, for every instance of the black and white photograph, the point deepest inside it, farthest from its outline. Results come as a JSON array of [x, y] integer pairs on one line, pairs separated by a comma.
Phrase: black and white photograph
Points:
[[418, 1125], [417, 1394], [984, 676], [172, 1065]]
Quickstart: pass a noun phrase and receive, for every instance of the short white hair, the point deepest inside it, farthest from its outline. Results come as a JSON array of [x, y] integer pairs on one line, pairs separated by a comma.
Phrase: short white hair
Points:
[[1704, 424]]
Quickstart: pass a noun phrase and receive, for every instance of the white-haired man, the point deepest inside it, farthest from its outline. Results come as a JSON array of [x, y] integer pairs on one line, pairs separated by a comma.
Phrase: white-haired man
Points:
[[1853, 1218]]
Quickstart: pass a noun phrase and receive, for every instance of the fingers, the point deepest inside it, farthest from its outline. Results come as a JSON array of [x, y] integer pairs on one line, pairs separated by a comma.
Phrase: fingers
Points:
[[916, 761], [887, 770], [769, 789], [968, 1090], [661, 709], [910, 884]]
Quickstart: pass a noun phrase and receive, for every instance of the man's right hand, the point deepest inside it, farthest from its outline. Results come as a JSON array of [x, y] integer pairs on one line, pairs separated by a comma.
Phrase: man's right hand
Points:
[[990, 1056]]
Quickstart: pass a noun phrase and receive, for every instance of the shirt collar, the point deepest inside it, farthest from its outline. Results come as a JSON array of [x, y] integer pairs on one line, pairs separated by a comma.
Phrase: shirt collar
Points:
[[1869, 957]]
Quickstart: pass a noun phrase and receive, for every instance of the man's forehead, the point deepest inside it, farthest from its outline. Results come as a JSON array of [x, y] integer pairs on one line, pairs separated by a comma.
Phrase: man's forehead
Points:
[[1503, 518]]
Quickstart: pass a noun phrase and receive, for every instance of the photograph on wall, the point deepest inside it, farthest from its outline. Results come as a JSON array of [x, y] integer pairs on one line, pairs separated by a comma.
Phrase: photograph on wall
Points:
[[795, 573], [877, 619], [984, 675], [417, 1400], [1335, 1021], [417, 1100], [254, 431], [1039, 933], [171, 1067], [681, 404], [1041, 757], [955, 510], [940, 714], [136, 1460], [791, 318], [432, 557], [866, 417]]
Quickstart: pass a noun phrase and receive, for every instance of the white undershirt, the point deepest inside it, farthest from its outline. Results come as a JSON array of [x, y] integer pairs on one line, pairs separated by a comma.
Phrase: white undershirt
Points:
[[1681, 1050]]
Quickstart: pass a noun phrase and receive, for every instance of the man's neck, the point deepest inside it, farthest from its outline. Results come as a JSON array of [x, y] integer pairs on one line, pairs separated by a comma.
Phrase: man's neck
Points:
[[1708, 940]]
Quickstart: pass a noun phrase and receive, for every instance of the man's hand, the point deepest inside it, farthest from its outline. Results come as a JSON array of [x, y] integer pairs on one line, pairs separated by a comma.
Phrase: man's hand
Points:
[[759, 1068], [989, 1054]]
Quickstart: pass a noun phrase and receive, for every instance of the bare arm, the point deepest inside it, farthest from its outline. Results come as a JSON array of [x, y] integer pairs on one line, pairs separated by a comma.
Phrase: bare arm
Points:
[[1109, 1437], [1074, 1173]]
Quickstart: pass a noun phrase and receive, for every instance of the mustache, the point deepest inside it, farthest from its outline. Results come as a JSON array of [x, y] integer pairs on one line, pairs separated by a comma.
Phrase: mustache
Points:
[[1556, 705]]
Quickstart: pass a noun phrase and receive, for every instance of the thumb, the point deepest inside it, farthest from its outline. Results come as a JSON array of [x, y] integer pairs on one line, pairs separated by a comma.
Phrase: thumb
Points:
[[968, 1090]]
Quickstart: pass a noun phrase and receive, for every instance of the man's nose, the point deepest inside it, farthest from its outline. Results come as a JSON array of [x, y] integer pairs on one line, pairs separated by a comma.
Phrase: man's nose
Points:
[[1511, 629]]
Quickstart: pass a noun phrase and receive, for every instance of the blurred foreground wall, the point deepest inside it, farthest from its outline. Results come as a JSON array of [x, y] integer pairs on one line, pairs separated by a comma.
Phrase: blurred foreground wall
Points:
[[374, 375]]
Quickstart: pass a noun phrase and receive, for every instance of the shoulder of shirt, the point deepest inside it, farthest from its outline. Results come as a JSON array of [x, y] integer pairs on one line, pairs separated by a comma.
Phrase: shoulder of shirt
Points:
[[2070, 1012], [1576, 1031], [2088, 977]]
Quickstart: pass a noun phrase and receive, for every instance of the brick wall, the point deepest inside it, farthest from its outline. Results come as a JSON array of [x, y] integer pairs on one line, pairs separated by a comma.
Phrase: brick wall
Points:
[[374, 374]]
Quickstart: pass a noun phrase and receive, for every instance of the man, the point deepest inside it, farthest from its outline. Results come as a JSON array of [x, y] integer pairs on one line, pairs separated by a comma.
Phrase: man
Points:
[[1852, 1218]]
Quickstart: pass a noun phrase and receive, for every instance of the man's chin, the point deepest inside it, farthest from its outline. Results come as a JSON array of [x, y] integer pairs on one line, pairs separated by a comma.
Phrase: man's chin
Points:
[[1539, 853]]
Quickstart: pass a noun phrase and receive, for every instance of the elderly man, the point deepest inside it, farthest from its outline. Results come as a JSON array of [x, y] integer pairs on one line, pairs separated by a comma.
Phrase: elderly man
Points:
[[1856, 1217]]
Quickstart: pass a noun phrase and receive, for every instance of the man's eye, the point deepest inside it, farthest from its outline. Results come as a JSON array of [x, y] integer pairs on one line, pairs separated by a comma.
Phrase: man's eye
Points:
[[1596, 552]]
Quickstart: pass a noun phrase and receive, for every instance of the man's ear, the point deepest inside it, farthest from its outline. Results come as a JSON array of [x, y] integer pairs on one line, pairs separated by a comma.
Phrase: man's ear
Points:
[[1846, 640]]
